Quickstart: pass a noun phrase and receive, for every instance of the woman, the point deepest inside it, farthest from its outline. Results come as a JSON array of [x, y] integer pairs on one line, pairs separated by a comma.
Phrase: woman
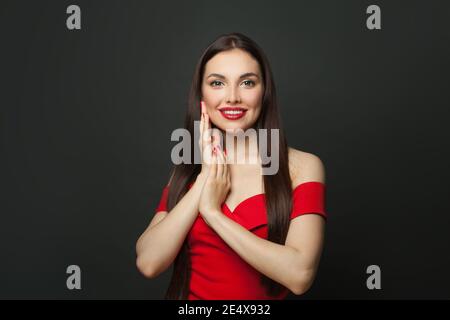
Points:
[[232, 231]]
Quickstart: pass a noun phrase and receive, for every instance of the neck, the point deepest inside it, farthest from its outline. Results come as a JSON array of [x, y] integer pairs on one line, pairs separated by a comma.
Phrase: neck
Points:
[[241, 149]]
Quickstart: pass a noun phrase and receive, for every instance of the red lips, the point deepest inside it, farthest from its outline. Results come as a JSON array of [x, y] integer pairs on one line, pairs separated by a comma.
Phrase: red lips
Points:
[[232, 113]]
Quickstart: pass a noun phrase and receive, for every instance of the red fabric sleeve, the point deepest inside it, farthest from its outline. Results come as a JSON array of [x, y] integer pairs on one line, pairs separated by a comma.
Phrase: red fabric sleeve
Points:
[[162, 206], [307, 198]]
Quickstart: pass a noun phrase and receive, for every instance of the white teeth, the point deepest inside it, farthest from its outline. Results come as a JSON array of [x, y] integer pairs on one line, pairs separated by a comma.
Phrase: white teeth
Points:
[[233, 112]]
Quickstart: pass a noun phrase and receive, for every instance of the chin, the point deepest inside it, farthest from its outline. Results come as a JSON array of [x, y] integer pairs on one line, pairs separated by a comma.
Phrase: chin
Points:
[[231, 127]]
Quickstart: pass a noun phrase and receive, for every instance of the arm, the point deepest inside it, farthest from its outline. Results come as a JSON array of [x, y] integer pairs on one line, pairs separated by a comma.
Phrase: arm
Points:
[[293, 264], [160, 243]]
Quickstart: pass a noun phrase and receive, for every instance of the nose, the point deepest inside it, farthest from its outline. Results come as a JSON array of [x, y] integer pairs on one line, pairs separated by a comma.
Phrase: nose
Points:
[[233, 96]]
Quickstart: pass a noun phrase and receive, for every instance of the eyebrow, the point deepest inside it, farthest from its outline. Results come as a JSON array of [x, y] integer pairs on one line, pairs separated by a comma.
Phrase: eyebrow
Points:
[[245, 75]]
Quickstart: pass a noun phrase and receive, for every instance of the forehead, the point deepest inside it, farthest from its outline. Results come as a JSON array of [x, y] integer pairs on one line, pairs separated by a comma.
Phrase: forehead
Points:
[[232, 63]]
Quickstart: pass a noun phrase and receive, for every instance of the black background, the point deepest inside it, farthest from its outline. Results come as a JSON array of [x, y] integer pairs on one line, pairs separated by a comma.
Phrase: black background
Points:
[[87, 117]]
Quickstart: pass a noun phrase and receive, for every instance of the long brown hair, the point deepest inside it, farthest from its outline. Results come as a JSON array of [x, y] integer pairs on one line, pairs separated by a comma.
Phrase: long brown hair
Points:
[[277, 187]]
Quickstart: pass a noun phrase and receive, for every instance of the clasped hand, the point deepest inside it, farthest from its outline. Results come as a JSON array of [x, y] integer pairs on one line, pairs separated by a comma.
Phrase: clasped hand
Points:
[[215, 171]]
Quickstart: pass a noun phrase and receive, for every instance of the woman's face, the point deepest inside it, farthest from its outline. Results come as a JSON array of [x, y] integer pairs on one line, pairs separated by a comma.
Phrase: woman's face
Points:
[[232, 90]]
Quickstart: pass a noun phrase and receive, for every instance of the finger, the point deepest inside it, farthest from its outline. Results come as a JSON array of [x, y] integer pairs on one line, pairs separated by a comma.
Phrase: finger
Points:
[[206, 137], [202, 121], [207, 121], [208, 127], [225, 167], [208, 124], [202, 107], [213, 168], [219, 163], [207, 155], [216, 137]]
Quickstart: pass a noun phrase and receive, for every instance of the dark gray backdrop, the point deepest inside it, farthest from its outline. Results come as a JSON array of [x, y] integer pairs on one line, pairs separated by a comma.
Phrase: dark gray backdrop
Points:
[[87, 117]]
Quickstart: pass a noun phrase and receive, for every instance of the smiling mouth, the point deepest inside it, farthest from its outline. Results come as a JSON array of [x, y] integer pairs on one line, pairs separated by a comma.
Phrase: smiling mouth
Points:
[[232, 113]]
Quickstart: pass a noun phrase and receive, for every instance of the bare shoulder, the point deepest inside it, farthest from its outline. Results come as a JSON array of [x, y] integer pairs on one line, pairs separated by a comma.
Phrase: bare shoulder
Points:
[[305, 166]]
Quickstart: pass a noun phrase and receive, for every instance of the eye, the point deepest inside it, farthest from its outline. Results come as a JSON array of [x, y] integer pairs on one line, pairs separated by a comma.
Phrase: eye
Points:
[[216, 83], [249, 83]]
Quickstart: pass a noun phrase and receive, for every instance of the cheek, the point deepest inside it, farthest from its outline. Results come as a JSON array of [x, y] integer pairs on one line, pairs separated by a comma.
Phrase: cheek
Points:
[[212, 97], [252, 98]]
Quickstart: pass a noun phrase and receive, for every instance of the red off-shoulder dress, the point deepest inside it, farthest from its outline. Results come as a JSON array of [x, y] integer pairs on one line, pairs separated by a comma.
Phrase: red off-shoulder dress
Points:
[[219, 273]]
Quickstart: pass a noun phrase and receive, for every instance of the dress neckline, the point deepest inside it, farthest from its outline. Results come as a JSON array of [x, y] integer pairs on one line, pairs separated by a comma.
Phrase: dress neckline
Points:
[[261, 195]]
